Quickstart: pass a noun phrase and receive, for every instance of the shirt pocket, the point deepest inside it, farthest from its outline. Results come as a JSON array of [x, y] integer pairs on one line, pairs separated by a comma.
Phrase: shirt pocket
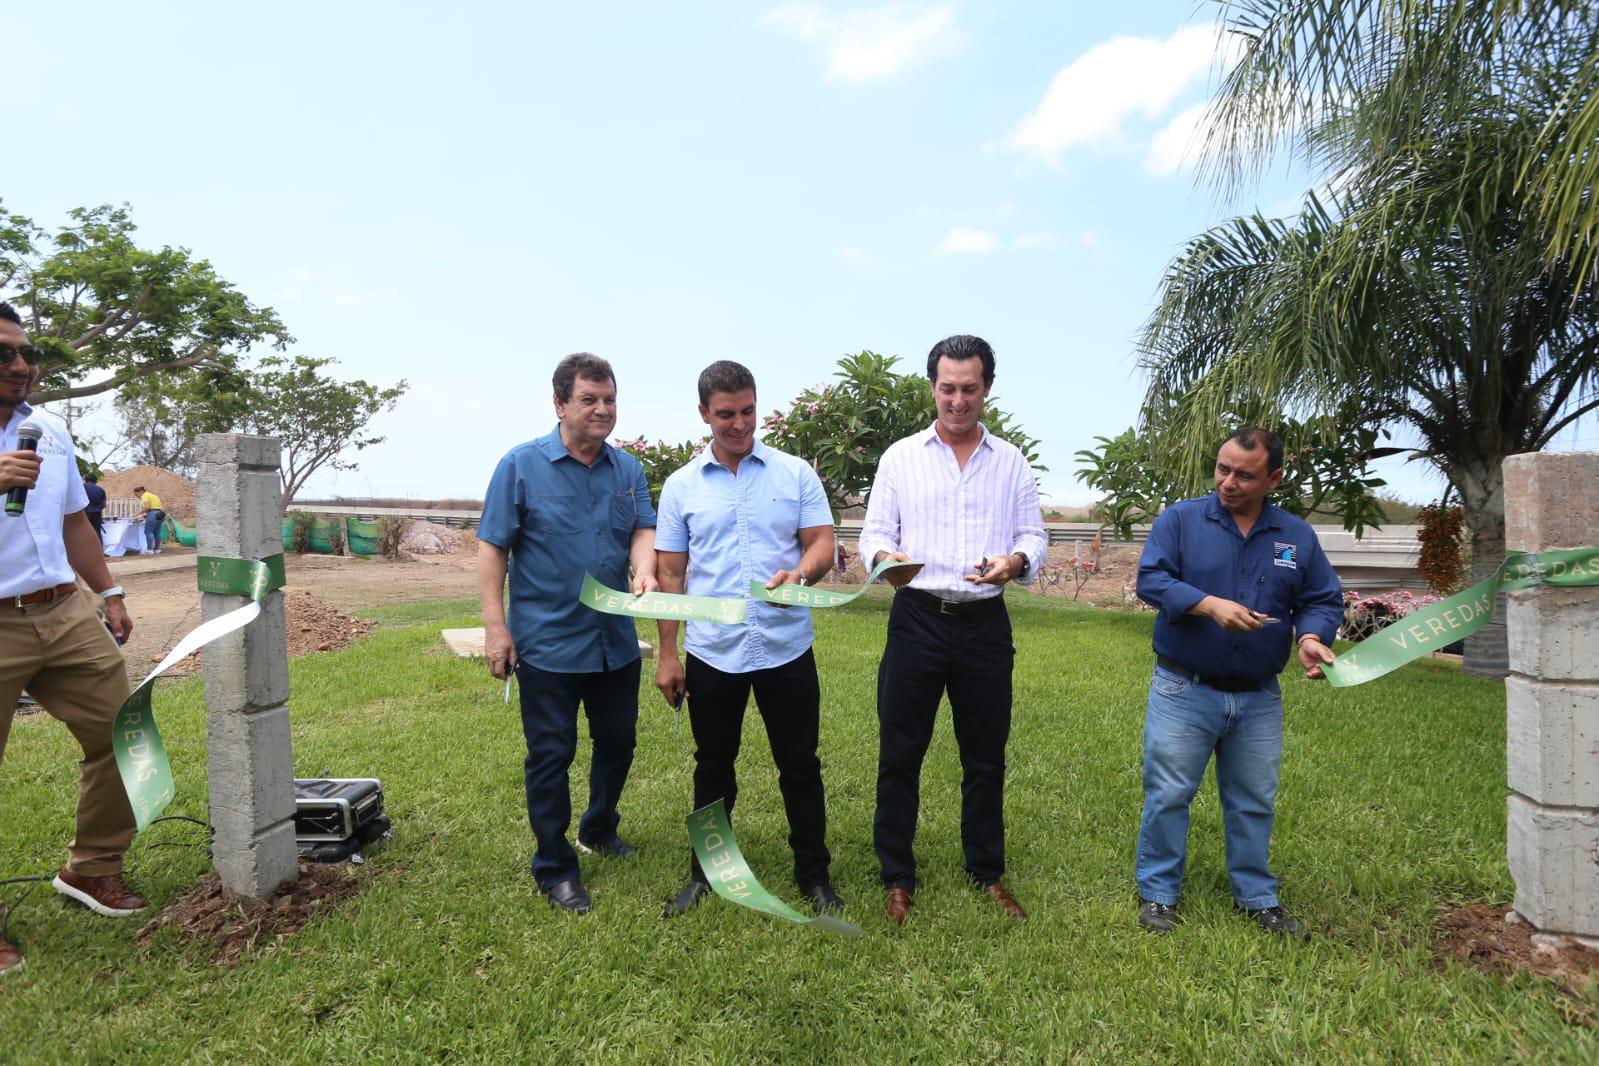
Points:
[[624, 512], [557, 514]]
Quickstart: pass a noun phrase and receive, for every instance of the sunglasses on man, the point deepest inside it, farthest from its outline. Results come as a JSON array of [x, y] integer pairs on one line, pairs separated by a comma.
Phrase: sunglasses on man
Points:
[[30, 355]]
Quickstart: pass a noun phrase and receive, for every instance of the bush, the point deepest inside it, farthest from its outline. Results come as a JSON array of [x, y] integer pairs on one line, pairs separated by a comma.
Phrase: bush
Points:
[[390, 532], [302, 521]]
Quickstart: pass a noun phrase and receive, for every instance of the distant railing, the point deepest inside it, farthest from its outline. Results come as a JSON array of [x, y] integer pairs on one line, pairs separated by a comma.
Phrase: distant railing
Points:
[[122, 507]]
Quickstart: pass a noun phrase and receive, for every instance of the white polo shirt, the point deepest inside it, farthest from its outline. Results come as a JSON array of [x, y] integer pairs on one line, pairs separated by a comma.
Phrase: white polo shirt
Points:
[[33, 554]]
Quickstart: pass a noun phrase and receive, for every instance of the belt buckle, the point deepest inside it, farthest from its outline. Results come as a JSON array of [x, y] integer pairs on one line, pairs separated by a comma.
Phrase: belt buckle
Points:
[[949, 606]]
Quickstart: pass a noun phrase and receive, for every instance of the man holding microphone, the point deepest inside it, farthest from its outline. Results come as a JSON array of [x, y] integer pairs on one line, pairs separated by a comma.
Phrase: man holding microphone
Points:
[[52, 641]]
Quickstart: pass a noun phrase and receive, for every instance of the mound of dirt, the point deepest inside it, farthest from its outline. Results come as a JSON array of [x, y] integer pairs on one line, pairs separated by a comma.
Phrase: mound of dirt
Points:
[[1485, 938], [430, 538], [316, 625], [313, 625], [175, 490], [232, 925]]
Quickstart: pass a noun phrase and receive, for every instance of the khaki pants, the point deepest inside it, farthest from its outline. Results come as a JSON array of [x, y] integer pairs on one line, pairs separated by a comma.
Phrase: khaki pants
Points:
[[63, 655]]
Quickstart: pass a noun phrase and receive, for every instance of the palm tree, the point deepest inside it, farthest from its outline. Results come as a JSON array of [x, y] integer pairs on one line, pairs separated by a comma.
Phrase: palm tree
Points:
[[1303, 61], [1427, 293]]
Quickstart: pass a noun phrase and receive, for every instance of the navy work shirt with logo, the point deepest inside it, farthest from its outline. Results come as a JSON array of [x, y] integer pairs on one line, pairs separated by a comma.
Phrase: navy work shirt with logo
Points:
[[560, 519], [1195, 550]]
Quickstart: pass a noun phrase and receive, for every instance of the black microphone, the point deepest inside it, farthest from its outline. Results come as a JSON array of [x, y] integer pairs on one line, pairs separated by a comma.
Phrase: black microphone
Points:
[[28, 435]]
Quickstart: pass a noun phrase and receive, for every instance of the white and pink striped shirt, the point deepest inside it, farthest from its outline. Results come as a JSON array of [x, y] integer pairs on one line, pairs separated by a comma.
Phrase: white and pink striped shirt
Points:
[[925, 505]]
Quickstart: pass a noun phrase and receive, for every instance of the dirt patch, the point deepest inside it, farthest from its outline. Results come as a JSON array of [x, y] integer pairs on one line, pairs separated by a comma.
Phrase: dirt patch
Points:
[[1479, 936], [175, 490], [234, 925], [313, 625]]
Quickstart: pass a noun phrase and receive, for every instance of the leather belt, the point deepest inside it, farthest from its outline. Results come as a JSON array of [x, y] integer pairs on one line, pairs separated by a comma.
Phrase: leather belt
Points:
[[956, 607], [1220, 684], [49, 595]]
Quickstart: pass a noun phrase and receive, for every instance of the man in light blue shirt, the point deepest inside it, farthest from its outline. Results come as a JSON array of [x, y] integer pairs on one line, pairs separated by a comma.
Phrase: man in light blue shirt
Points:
[[558, 507], [737, 513]]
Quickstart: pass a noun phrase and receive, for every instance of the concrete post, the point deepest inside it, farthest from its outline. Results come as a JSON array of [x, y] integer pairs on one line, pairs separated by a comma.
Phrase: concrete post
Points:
[[248, 755], [1552, 700]]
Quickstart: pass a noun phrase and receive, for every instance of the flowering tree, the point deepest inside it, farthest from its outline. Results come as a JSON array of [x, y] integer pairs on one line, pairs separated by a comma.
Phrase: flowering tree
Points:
[[660, 459], [842, 429]]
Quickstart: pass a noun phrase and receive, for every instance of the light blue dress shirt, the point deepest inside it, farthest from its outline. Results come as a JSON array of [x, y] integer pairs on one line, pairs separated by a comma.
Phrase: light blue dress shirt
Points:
[[33, 554], [737, 530]]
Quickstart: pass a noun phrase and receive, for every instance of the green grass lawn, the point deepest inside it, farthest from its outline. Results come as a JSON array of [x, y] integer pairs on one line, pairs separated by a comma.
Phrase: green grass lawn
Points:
[[1391, 810]]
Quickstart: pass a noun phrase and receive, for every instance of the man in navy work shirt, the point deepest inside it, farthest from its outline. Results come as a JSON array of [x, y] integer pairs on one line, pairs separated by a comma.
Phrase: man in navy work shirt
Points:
[[558, 507], [1236, 581], [52, 641], [743, 512]]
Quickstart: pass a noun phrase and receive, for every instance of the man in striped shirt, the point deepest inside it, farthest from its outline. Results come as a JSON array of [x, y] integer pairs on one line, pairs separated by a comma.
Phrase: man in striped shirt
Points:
[[964, 502]]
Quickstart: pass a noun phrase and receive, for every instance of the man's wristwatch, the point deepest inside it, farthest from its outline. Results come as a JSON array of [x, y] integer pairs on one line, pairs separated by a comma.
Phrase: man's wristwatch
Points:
[[114, 590], [1027, 564]]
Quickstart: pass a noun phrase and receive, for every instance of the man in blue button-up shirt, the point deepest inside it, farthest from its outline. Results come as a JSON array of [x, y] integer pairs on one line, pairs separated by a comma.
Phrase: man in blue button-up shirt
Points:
[[1235, 580], [558, 507], [743, 512]]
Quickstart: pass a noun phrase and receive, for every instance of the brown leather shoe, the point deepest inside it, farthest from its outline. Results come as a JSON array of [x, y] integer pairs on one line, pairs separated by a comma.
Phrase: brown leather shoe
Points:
[[10, 958], [106, 895], [1012, 909], [899, 905]]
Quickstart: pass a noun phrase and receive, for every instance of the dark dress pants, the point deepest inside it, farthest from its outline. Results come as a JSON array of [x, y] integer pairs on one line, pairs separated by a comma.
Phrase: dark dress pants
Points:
[[549, 721], [789, 698], [969, 655]]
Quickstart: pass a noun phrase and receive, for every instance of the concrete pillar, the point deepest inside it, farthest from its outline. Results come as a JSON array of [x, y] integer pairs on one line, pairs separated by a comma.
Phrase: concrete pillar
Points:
[[249, 758], [1552, 700]]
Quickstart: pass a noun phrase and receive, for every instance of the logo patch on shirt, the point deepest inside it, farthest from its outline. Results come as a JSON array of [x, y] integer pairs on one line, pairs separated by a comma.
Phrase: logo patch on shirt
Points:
[[1284, 554]]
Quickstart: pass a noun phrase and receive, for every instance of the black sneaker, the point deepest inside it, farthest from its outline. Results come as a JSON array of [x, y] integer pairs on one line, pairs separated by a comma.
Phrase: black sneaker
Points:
[[612, 847], [1276, 920], [823, 899], [1157, 917]]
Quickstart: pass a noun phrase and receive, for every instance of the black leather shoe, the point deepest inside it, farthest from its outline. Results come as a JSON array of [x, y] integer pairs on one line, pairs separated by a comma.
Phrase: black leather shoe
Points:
[[687, 899], [1278, 921], [569, 896], [823, 899], [613, 847]]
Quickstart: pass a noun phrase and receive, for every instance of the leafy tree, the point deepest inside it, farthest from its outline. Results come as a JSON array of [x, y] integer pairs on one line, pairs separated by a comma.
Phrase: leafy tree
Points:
[[843, 429], [109, 312], [161, 415], [1324, 469], [317, 418], [1428, 291]]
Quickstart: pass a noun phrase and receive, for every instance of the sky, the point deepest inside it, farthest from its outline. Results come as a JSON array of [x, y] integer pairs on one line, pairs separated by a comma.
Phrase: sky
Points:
[[459, 195]]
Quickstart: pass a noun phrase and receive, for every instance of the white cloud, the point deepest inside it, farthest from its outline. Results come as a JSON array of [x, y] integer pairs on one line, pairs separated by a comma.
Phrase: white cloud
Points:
[[1091, 100], [964, 241], [341, 296], [1091, 239], [1178, 142], [849, 251], [1030, 241], [874, 45]]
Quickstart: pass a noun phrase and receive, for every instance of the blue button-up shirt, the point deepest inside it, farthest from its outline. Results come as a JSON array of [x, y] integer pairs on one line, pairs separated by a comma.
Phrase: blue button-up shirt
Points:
[[33, 553], [737, 530], [1195, 550], [560, 519]]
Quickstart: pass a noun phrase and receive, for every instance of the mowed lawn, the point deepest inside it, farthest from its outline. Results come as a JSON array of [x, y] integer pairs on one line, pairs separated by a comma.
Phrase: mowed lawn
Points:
[[1392, 810]]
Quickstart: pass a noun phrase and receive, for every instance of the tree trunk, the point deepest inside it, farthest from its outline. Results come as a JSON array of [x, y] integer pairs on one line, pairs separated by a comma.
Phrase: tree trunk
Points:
[[1483, 499]]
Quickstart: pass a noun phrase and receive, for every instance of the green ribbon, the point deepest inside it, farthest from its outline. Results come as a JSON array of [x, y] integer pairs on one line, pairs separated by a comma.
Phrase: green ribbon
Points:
[[804, 596], [140, 752], [1459, 616], [661, 604], [729, 875]]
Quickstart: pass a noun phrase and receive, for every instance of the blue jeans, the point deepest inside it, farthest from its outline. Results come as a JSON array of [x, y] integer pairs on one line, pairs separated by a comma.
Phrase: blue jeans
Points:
[[152, 530], [1184, 723], [549, 722]]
